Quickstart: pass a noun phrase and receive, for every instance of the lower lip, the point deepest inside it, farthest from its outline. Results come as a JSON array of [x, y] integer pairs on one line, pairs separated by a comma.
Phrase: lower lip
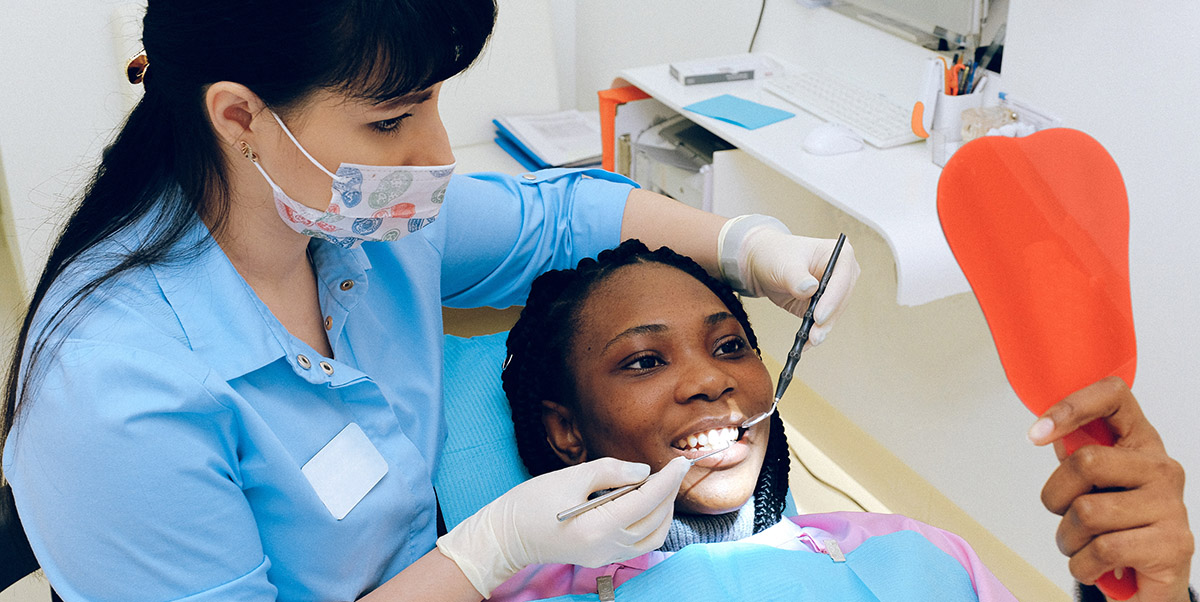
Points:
[[728, 458]]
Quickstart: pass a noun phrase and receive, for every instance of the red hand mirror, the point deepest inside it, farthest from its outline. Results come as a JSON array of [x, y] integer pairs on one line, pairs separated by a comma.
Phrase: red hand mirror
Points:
[[1040, 227]]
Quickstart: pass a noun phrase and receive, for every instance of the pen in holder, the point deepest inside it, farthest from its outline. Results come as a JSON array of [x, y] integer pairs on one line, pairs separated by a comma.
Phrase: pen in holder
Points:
[[938, 112], [946, 136]]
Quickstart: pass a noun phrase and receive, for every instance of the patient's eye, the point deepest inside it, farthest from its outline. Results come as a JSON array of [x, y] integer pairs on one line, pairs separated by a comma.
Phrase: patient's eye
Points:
[[644, 362], [731, 345]]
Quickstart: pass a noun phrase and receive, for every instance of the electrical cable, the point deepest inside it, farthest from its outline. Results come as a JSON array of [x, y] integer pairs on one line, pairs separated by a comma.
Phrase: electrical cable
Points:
[[827, 483], [761, 10]]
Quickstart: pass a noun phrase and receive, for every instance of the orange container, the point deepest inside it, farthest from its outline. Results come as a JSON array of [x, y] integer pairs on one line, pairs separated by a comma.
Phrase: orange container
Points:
[[609, 99]]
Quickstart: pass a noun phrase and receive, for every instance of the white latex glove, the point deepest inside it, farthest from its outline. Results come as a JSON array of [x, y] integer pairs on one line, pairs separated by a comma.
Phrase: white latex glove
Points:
[[760, 257], [520, 527]]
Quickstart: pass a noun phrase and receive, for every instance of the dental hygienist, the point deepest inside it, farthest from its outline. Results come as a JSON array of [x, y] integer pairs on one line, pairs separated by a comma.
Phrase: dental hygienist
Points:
[[228, 384]]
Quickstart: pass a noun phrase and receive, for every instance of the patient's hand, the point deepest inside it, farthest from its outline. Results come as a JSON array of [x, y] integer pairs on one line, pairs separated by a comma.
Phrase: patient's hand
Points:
[[1145, 526]]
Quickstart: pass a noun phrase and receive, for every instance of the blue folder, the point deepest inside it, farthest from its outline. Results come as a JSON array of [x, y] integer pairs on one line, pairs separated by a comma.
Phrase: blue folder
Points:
[[511, 145]]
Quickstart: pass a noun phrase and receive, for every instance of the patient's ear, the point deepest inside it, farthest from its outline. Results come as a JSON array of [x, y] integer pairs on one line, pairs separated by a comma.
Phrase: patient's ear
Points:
[[563, 434]]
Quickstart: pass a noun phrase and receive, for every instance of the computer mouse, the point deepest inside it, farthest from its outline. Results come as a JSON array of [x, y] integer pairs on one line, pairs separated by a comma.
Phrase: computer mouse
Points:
[[832, 139]]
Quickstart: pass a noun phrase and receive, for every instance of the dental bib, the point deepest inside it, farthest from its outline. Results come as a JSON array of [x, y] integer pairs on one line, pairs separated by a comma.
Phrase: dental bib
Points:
[[896, 567]]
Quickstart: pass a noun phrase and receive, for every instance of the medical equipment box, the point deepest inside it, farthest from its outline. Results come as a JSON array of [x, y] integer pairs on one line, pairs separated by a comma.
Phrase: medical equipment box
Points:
[[721, 69]]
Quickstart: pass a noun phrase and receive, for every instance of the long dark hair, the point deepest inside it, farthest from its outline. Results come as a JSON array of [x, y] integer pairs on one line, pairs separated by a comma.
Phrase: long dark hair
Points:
[[165, 163], [537, 366]]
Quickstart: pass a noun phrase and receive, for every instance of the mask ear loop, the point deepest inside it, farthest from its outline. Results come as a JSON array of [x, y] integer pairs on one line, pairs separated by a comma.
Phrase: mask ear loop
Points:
[[249, 153], [335, 177]]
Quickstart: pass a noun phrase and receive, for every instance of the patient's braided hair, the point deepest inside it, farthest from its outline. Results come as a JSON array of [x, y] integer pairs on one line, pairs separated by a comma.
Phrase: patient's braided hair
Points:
[[537, 367]]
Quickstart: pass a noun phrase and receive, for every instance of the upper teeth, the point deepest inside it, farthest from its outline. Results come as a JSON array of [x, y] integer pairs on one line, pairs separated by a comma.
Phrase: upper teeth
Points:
[[709, 439]]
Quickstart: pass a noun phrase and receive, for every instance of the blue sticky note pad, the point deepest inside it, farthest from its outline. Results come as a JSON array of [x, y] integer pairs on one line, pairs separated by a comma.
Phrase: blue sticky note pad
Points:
[[739, 111]]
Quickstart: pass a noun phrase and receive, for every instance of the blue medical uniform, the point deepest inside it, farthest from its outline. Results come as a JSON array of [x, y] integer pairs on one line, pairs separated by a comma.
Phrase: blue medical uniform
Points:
[[160, 458]]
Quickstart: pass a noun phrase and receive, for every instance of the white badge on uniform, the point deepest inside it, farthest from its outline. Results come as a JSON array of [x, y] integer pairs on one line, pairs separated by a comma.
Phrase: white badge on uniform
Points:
[[345, 470]]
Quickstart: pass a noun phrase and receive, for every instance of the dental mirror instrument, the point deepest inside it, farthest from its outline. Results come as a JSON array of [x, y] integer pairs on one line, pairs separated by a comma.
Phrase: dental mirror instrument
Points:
[[793, 356], [600, 500]]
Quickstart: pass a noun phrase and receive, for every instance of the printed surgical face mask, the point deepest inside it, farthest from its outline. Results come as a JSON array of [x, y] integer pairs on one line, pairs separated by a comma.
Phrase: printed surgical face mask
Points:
[[368, 202]]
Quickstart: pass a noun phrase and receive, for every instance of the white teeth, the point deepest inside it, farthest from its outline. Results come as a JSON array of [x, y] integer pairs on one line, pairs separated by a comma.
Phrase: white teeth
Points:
[[709, 439]]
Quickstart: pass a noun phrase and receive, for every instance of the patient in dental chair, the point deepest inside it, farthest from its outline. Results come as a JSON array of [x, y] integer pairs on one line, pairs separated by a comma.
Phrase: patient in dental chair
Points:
[[642, 356]]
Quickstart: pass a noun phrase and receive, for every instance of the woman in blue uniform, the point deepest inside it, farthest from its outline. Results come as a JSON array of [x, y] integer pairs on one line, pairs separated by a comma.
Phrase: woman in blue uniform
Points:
[[228, 383]]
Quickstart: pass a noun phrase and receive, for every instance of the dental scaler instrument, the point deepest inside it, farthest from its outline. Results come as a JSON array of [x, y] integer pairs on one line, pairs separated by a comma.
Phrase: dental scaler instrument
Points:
[[600, 500], [793, 356]]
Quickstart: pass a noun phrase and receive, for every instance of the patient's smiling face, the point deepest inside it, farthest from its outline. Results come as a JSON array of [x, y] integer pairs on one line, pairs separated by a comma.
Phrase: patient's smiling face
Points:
[[660, 365]]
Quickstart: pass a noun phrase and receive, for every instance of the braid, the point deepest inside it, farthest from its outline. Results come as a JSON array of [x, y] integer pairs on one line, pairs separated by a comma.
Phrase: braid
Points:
[[770, 494], [537, 367]]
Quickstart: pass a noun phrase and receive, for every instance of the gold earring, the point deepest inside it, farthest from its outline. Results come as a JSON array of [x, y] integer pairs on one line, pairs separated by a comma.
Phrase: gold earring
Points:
[[247, 152]]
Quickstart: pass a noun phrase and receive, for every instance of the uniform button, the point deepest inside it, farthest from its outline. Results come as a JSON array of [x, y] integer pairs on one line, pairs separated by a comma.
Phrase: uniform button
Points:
[[529, 176], [347, 285], [326, 367], [328, 322], [303, 361]]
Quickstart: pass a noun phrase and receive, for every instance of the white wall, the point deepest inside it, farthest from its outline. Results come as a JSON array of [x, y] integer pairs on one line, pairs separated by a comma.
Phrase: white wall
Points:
[[616, 34], [63, 91], [517, 73]]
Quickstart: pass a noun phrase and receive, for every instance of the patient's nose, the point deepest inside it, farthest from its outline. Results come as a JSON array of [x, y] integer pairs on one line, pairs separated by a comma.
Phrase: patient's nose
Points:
[[704, 379]]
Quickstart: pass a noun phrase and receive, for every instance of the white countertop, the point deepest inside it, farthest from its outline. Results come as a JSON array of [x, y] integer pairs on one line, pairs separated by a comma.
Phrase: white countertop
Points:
[[893, 191]]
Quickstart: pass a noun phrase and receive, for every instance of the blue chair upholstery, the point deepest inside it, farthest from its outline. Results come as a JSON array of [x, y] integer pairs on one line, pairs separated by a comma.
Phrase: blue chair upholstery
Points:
[[479, 460]]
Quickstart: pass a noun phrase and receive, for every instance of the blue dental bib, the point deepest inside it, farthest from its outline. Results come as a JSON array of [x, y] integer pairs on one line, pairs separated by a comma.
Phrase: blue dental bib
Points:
[[897, 567]]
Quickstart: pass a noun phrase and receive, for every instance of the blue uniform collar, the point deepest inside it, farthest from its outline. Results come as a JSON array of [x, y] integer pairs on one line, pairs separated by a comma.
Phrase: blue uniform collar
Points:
[[211, 300]]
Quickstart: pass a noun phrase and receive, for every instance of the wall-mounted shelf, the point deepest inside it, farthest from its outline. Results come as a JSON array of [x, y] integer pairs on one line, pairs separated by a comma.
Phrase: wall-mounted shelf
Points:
[[893, 191]]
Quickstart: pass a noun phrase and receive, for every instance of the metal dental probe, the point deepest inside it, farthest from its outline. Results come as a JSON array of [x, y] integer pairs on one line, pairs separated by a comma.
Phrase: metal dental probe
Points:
[[600, 500], [793, 356]]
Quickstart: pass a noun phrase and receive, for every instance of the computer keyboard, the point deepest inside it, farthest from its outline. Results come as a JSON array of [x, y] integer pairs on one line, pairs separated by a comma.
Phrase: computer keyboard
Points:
[[881, 122]]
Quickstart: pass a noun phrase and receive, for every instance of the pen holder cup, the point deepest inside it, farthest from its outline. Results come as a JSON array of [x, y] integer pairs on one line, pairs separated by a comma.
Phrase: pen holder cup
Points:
[[946, 136]]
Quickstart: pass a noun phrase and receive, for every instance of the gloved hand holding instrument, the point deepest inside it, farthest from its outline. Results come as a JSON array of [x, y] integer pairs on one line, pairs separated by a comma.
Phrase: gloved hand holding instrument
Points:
[[759, 257], [802, 336], [521, 528]]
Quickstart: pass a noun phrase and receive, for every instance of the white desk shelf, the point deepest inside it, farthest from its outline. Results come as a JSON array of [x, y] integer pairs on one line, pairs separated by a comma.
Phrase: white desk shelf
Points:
[[893, 191]]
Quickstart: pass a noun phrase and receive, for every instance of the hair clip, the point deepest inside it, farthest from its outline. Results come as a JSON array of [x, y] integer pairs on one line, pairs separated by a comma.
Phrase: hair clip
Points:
[[135, 70]]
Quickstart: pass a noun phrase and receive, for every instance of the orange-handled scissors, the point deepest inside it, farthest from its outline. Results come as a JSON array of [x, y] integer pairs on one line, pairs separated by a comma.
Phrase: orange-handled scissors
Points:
[[952, 78]]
